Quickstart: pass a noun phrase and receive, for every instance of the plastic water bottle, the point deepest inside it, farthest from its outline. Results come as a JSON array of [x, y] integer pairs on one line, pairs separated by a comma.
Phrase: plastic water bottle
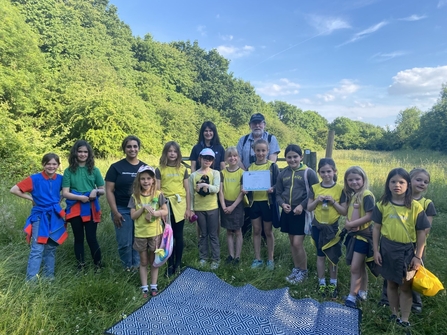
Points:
[[324, 212]]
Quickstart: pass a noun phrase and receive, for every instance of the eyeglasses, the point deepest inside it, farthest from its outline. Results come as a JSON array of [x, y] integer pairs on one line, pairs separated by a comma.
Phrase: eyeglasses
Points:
[[130, 146], [208, 158]]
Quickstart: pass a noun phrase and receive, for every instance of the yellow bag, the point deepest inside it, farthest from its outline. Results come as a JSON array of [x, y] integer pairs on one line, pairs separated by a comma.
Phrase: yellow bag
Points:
[[426, 282]]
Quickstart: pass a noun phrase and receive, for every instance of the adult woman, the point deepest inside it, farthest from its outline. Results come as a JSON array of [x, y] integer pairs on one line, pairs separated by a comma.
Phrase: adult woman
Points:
[[81, 186], [208, 138], [119, 179]]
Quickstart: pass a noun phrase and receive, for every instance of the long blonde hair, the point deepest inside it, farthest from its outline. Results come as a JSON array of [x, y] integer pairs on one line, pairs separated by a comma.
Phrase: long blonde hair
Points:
[[350, 193], [136, 186]]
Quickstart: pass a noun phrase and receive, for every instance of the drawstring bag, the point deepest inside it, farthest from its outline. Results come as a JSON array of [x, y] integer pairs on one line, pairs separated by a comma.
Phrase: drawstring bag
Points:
[[426, 283], [167, 243], [309, 216]]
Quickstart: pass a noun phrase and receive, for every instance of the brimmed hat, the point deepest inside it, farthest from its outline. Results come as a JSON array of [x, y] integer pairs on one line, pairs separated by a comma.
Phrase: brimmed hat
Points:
[[146, 168], [257, 118], [207, 152]]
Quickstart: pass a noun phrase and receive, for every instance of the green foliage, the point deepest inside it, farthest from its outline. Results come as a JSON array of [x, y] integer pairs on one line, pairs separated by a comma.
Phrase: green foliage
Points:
[[407, 126]]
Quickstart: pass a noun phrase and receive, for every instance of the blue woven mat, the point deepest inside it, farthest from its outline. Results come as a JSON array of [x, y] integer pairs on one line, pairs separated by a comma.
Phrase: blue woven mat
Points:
[[199, 302]]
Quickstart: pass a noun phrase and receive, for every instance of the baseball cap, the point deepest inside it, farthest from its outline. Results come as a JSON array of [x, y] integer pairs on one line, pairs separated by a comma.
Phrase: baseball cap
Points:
[[257, 118], [146, 168], [207, 152]]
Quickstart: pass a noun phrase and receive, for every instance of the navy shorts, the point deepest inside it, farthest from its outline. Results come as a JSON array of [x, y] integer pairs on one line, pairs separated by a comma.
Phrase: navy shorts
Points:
[[261, 209], [292, 224], [361, 247]]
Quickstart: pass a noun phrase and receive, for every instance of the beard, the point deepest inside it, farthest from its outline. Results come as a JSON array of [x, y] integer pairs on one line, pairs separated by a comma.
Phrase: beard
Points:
[[257, 133]]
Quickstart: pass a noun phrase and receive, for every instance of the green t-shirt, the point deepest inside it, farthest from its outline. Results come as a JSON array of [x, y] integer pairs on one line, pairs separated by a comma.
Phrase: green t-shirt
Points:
[[81, 181]]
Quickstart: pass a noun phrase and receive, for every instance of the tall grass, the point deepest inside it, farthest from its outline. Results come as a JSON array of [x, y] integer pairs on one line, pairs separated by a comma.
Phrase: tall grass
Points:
[[88, 303]]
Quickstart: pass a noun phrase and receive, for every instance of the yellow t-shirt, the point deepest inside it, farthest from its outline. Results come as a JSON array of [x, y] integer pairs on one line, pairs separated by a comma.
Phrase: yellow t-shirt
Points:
[[260, 195], [172, 180], [362, 208], [144, 228], [231, 181], [336, 192], [208, 202], [395, 217]]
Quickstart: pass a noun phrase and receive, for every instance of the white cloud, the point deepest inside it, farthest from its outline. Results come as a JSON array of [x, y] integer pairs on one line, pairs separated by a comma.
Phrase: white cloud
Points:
[[234, 52], [414, 17], [419, 82], [442, 3], [346, 88], [226, 37], [382, 57], [202, 30], [366, 32], [282, 87], [327, 25]]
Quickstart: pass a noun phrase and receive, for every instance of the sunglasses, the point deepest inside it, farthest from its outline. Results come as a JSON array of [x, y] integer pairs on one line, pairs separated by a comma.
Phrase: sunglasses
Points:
[[208, 158]]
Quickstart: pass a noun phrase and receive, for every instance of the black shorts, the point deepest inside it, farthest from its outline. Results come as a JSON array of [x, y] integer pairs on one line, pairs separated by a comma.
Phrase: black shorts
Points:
[[361, 247], [261, 209], [292, 224]]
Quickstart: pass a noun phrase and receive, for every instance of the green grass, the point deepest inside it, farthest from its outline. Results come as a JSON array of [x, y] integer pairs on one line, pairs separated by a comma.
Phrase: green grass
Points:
[[89, 303]]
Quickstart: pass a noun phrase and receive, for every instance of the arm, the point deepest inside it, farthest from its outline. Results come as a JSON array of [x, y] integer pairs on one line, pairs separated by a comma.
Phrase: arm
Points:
[[191, 192], [68, 195], [163, 211], [214, 188], [110, 196], [136, 213], [16, 191], [221, 197], [359, 221], [416, 262], [342, 208], [188, 199], [273, 157], [376, 237], [193, 166], [222, 165]]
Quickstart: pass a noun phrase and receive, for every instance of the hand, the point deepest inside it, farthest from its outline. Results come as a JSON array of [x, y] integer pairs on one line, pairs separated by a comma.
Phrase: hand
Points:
[[93, 194], [286, 208], [378, 258], [415, 263], [298, 210], [270, 190], [329, 199], [321, 198], [187, 214], [84, 198], [229, 210], [118, 220], [244, 191]]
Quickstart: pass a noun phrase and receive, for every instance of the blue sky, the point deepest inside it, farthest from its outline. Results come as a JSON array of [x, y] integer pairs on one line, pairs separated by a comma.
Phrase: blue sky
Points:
[[363, 59]]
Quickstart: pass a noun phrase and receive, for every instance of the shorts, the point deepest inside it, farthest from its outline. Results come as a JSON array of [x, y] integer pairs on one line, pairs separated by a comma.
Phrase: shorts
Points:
[[361, 246], [261, 209], [141, 244], [292, 224], [316, 238]]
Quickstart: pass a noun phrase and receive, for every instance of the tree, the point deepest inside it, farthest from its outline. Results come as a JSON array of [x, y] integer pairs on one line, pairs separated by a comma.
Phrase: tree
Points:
[[407, 125]]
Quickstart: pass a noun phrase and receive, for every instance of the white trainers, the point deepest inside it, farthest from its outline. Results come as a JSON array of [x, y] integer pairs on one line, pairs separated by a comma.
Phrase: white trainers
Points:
[[292, 275]]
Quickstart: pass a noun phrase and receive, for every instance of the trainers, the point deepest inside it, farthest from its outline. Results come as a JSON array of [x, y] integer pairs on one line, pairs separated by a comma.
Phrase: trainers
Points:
[[257, 263], [229, 260], [270, 265], [362, 296], [154, 292], [300, 277], [145, 294], [394, 318], [202, 263], [416, 309], [236, 261], [170, 271], [322, 290], [350, 304], [290, 278], [214, 265], [332, 291]]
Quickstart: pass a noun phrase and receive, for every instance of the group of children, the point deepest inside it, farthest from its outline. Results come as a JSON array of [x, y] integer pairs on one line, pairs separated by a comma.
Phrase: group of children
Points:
[[395, 242]]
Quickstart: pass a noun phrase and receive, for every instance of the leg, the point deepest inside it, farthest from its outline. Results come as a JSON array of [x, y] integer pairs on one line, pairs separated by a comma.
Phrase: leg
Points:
[[299, 255], [239, 240], [270, 240], [213, 233], [384, 297], [78, 232], [203, 235], [333, 270], [405, 299], [124, 237], [357, 272], [393, 297], [154, 270], [177, 253], [257, 229], [90, 234], [35, 255], [321, 266], [49, 259], [144, 261], [230, 242]]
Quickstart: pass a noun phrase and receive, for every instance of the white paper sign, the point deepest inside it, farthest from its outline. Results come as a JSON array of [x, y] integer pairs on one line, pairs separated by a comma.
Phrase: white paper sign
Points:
[[256, 180]]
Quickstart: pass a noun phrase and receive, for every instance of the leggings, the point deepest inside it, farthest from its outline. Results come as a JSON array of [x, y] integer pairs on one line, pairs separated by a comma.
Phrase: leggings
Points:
[[90, 233], [177, 227]]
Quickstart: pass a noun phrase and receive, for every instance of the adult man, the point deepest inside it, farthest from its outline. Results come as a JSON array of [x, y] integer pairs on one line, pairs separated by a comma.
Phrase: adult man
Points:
[[244, 146]]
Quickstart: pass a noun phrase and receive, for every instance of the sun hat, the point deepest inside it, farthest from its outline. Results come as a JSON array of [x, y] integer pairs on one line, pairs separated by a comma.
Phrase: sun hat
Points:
[[207, 152], [146, 168]]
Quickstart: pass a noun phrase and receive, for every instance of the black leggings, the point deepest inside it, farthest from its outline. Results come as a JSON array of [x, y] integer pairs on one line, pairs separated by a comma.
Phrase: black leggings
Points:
[[177, 227], [90, 233]]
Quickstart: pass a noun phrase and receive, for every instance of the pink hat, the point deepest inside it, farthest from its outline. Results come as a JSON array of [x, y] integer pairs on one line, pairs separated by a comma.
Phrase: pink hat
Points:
[[207, 152], [146, 168]]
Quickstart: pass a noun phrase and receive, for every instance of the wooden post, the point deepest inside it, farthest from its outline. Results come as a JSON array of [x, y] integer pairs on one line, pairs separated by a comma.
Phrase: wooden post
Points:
[[330, 143], [310, 159]]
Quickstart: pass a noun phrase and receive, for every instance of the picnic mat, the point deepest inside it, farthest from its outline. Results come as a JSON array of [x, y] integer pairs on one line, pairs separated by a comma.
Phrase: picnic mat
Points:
[[198, 302]]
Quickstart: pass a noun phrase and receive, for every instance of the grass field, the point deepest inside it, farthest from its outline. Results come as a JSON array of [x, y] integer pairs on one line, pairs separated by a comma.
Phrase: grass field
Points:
[[89, 303]]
